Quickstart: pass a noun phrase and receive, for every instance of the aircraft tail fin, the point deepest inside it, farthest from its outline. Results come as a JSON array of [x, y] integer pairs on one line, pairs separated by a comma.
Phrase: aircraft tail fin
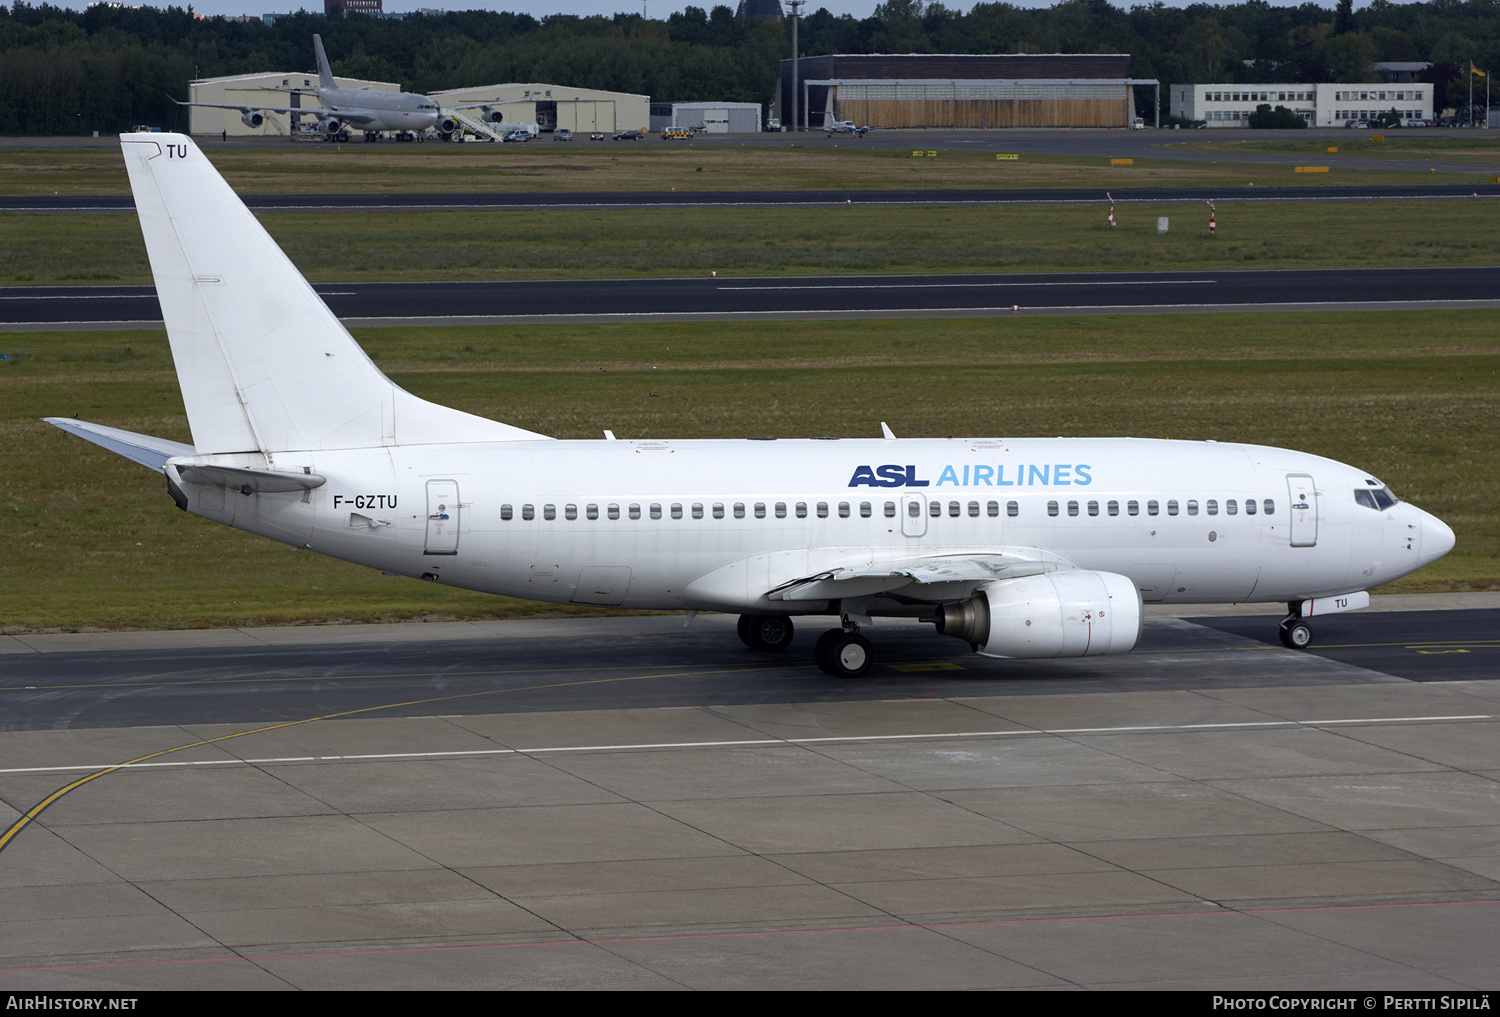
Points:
[[325, 73], [263, 363]]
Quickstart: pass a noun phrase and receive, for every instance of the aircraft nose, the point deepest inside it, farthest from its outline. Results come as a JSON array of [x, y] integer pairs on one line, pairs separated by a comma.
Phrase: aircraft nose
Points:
[[1437, 538]]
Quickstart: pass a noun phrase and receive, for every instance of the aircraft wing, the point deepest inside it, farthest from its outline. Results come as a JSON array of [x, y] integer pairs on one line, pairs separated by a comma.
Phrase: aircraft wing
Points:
[[933, 576], [256, 109]]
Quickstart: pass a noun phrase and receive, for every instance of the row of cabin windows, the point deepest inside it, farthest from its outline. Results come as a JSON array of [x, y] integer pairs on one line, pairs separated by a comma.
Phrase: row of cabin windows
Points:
[[759, 509], [845, 509], [1153, 507]]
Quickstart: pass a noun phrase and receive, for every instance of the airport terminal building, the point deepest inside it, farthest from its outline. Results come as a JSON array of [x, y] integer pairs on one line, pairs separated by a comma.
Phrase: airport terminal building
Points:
[[919, 90], [1222, 105], [553, 106]]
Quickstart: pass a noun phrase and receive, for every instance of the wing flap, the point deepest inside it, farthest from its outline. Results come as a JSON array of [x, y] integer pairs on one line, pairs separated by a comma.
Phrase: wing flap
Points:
[[910, 575]]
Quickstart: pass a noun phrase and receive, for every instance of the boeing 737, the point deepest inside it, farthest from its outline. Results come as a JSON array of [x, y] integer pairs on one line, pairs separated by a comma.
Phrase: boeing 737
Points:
[[362, 109], [1020, 547]]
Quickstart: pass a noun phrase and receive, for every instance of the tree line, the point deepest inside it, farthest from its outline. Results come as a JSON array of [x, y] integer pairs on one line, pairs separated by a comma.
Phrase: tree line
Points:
[[107, 68]]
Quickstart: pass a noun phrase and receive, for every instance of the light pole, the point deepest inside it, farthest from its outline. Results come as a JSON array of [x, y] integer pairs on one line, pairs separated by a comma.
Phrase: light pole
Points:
[[796, 6]]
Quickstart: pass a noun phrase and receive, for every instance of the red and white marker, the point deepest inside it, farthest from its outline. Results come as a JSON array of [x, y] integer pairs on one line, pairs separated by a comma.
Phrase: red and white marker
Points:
[[1210, 217]]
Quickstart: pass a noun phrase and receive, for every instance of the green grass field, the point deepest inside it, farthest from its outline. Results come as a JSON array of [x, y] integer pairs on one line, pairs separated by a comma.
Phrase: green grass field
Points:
[[93, 541], [567, 243], [654, 165], [1405, 145]]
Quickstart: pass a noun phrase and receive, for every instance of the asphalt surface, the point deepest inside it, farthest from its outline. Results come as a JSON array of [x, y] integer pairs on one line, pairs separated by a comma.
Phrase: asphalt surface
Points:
[[624, 663], [706, 298], [774, 199]]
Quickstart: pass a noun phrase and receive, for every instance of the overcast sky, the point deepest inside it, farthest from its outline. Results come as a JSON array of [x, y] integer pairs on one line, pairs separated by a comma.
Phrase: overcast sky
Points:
[[541, 8]]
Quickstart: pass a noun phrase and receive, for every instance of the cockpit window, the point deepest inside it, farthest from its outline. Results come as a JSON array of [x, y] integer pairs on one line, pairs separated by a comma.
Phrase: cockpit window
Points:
[[1378, 498]]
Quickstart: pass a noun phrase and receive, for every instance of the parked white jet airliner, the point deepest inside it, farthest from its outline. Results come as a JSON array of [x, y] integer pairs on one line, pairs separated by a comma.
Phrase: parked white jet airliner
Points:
[[1021, 547], [362, 109]]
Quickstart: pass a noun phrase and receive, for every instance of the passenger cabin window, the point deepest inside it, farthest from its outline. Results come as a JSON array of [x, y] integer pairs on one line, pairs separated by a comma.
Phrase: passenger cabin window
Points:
[[1052, 508], [1133, 508], [1269, 506], [1093, 508], [781, 510], [656, 510], [614, 511], [528, 512], [1152, 508], [992, 509], [739, 510], [1012, 509], [697, 510], [934, 509], [1172, 507], [760, 510], [974, 509], [718, 510], [549, 511], [1192, 507], [914, 509], [1249, 506], [866, 510], [1113, 508], [592, 511], [635, 511], [506, 512], [1212, 506], [1072, 508], [954, 510], [890, 510], [1231, 507], [822, 510], [677, 510], [570, 511], [802, 510], [843, 510]]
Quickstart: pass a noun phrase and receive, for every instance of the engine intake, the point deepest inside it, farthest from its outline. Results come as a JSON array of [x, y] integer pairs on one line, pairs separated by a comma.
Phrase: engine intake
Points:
[[253, 118], [1057, 614]]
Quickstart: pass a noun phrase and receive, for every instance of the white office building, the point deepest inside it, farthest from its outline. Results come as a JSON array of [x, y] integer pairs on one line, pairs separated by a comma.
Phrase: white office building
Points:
[[1332, 105]]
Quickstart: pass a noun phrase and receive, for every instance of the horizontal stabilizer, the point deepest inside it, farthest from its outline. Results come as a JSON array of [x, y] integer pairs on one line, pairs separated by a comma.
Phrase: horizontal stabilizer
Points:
[[142, 448], [251, 481]]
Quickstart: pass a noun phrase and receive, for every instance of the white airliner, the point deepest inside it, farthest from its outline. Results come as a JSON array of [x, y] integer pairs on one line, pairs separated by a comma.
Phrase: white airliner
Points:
[[362, 109], [1021, 547]]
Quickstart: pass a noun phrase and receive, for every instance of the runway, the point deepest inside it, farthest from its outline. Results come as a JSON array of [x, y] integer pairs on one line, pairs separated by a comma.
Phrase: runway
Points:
[[482, 201], [29, 308], [624, 803]]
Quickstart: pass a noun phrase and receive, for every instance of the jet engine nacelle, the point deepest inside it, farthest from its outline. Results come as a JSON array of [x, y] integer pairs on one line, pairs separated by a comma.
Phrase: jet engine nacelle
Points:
[[1056, 614], [253, 118], [447, 125], [331, 127], [494, 116]]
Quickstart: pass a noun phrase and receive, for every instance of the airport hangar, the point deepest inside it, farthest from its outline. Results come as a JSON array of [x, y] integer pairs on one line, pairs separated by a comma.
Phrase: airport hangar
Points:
[[947, 90], [548, 106]]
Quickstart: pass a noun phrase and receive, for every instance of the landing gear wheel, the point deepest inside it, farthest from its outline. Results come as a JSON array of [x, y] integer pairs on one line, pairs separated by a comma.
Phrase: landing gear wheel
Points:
[[820, 649], [743, 628], [849, 655], [770, 633], [1296, 634]]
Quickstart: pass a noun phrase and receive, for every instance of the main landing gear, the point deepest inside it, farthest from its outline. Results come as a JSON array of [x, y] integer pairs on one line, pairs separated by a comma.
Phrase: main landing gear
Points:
[[1296, 634], [843, 653]]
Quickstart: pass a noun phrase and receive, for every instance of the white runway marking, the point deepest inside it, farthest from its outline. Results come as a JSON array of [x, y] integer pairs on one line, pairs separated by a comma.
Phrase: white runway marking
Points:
[[761, 742]]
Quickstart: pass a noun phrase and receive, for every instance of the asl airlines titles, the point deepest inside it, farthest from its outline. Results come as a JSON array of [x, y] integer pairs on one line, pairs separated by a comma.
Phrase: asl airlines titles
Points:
[[1024, 475]]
